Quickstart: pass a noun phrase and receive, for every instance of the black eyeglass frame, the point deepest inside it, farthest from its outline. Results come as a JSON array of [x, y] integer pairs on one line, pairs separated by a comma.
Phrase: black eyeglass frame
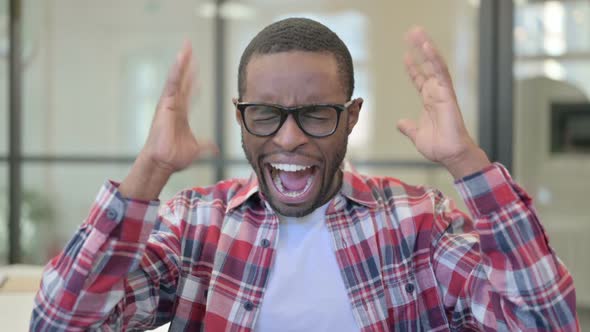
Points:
[[285, 111]]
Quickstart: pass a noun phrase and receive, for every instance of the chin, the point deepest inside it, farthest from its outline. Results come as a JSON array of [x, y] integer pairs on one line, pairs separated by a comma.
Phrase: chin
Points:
[[292, 211]]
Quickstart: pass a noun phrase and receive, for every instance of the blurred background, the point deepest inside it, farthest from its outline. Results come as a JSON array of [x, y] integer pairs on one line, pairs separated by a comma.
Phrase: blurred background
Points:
[[79, 81]]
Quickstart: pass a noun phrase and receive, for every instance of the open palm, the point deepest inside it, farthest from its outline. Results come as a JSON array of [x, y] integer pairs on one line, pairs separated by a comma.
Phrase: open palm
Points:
[[439, 134], [171, 144]]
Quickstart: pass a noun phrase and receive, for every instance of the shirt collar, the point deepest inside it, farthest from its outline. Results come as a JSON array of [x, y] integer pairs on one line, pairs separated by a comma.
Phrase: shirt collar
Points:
[[243, 193], [354, 187]]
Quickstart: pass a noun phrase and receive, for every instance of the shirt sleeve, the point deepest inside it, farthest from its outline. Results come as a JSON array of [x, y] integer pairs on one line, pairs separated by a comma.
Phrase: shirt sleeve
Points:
[[498, 272], [118, 272]]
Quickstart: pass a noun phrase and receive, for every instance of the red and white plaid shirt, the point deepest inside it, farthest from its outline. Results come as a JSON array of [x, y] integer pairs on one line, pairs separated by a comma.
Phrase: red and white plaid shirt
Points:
[[409, 260]]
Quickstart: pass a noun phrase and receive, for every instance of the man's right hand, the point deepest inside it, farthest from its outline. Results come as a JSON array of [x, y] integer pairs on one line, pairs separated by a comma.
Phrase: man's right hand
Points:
[[171, 145]]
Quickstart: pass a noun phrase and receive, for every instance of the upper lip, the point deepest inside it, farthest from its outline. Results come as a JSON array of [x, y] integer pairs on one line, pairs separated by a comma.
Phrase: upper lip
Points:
[[292, 159]]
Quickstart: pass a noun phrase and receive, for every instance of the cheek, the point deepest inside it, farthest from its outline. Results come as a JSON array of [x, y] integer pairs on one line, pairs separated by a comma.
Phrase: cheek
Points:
[[253, 146], [330, 146]]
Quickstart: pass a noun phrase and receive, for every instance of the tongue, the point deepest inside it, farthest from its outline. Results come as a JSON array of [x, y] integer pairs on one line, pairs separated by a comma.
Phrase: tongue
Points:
[[295, 181]]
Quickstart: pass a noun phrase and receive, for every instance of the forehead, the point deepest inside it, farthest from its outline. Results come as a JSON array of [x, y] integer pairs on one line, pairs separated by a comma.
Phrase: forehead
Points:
[[293, 78]]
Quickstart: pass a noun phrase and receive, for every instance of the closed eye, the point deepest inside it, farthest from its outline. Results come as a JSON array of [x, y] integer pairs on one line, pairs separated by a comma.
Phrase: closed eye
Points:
[[318, 114], [272, 118], [316, 117]]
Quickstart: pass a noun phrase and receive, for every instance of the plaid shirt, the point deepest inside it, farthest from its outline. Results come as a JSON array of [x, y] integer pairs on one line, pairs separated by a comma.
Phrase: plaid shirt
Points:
[[409, 260]]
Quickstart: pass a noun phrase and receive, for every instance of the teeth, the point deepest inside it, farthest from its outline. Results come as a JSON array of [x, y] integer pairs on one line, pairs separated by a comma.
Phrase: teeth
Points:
[[289, 167]]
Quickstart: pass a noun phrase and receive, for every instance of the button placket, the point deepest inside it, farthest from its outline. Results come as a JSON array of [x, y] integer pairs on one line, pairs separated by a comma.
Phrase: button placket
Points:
[[249, 306], [112, 214], [265, 243]]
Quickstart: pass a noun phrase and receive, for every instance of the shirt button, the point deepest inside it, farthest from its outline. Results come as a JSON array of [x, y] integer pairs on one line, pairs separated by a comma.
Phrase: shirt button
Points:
[[248, 306], [265, 243], [111, 214], [409, 288]]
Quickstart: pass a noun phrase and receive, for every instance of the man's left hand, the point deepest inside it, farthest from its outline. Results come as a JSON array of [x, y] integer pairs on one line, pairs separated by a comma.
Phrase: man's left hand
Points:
[[439, 134]]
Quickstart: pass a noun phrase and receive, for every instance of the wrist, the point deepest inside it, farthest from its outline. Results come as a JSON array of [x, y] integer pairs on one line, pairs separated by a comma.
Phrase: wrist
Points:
[[145, 180], [471, 161]]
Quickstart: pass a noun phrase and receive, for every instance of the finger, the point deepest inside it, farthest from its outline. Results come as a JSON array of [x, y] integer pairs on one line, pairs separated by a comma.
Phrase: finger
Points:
[[414, 71], [416, 37], [408, 128], [177, 72], [427, 69], [187, 79], [186, 63], [186, 87], [415, 58], [437, 65], [427, 48], [433, 64]]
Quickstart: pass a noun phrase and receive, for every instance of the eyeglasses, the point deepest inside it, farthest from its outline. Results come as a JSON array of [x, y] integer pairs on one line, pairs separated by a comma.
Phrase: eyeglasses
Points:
[[318, 120]]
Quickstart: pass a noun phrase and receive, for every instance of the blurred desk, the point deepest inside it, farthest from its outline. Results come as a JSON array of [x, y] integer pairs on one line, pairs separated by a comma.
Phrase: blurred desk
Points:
[[17, 293], [19, 283]]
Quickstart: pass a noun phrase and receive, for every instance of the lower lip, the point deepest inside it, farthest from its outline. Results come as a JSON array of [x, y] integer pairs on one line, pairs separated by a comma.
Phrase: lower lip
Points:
[[304, 197]]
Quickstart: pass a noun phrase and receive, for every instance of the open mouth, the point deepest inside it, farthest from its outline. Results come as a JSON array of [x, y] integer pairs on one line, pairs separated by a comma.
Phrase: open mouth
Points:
[[292, 183]]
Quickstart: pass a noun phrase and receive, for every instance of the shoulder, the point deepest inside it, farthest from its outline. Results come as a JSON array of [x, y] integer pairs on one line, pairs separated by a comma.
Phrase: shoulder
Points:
[[387, 190], [403, 203], [411, 207], [212, 199]]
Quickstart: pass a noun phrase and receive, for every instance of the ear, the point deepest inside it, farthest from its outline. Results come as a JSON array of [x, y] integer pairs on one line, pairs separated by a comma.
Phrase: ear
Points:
[[238, 113], [353, 113]]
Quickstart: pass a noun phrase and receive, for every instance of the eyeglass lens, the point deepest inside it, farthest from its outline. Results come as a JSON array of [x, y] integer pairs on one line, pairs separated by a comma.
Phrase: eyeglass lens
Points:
[[314, 120]]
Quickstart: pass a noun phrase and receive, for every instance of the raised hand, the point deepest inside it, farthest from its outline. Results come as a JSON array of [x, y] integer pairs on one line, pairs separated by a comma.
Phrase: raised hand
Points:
[[439, 134], [171, 145]]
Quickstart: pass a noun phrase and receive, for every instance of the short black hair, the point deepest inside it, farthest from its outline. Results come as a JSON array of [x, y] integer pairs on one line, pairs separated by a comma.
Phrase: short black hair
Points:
[[298, 34]]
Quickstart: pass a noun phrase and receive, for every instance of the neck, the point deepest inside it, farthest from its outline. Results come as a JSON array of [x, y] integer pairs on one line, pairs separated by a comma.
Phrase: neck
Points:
[[335, 188]]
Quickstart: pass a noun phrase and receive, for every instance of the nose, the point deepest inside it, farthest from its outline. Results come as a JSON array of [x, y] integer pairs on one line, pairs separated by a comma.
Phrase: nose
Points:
[[290, 136]]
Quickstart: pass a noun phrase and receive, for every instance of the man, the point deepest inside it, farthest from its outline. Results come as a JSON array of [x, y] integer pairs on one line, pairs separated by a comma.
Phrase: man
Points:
[[304, 245]]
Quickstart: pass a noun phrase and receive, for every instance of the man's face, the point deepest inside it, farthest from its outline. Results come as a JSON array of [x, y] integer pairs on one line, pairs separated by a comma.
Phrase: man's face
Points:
[[297, 173]]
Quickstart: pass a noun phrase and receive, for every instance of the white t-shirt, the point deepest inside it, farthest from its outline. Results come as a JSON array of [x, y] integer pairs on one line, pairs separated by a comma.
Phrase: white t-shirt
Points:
[[305, 290]]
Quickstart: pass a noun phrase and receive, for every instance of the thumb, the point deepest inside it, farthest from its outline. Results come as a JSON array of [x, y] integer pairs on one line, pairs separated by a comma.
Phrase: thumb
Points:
[[208, 147], [408, 128]]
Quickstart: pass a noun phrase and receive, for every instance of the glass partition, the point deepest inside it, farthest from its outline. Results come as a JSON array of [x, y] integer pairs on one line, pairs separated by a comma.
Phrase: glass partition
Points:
[[552, 126], [57, 198], [4, 84], [92, 76], [94, 71]]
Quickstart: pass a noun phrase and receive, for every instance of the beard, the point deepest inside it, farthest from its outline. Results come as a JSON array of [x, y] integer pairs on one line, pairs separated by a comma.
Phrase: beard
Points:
[[331, 179]]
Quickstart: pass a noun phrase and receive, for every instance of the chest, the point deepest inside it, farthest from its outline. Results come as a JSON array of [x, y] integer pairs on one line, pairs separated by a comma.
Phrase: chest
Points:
[[384, 266]]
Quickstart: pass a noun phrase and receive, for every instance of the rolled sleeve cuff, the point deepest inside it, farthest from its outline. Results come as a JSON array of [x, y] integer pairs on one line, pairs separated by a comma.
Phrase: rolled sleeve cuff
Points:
[[489, 190], [125, 219]]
